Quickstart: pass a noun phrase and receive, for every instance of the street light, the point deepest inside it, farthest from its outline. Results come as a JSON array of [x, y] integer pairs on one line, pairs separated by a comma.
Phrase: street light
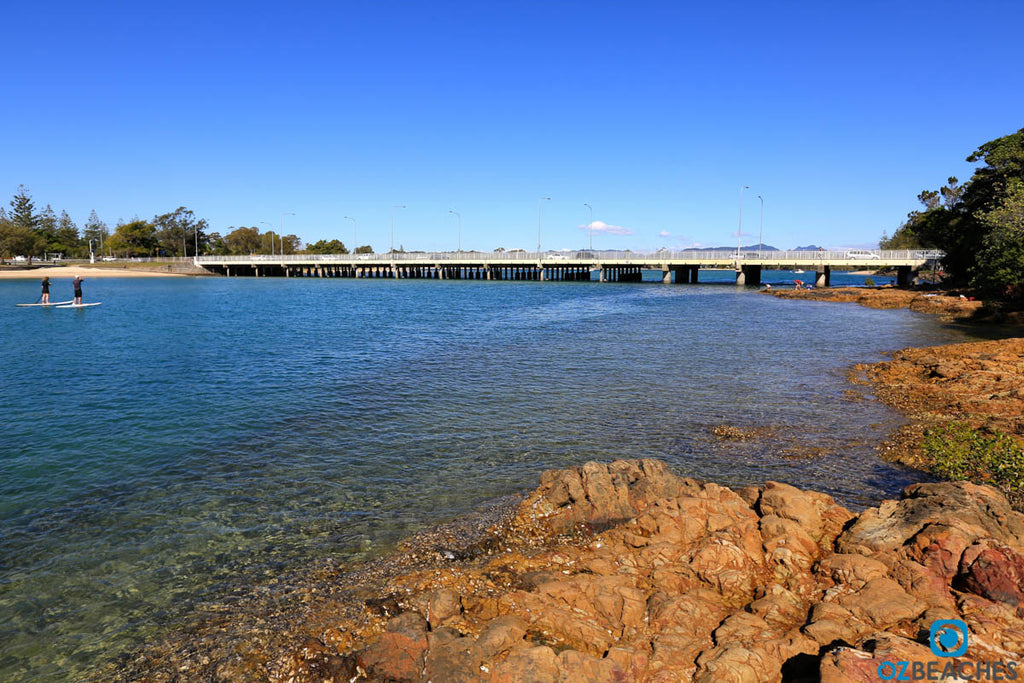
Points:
[[591, 225], [397, 206], [740, 231], [460, 226], [281, 236], [540, 203], [355, 233], [760, 230]]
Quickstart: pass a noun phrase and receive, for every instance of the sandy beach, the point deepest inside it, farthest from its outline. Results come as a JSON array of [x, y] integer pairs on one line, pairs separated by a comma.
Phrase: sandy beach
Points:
[[86, 270]]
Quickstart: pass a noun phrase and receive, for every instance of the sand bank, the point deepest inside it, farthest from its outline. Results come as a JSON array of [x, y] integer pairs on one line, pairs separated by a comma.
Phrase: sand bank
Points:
[[87, 271]]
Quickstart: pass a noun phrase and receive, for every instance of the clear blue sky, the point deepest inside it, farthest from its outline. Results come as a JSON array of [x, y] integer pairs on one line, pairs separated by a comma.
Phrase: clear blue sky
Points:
[[654, 113]]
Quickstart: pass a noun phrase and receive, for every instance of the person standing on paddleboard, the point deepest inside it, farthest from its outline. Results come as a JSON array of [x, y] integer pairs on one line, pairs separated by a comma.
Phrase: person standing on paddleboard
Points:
[[77, 284], [46, 291]]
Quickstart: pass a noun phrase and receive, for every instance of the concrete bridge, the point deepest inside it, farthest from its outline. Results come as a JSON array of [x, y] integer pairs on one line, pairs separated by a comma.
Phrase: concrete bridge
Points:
[[623, 266]]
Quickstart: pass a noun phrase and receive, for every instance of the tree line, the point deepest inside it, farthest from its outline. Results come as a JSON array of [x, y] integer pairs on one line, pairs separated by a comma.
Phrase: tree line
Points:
[[24, 231], [979, 223]]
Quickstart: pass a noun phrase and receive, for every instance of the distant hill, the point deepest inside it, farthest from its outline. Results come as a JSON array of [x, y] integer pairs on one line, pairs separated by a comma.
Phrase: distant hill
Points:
[[809, 247], [732, 250]]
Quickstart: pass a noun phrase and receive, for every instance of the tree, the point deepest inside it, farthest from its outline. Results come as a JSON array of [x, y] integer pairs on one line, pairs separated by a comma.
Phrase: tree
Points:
[[65, 239], [95, 231], [1000, 264], [179, 228], [963, 221], [23, 211], [243, 240], [137, 238], [365, 249], [327, 247], [46, 226], [290, 244]]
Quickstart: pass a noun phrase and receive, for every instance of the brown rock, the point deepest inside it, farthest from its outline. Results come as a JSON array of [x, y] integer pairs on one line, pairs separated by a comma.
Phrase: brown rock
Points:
[[993, 571], [883, 603], [530, 665]]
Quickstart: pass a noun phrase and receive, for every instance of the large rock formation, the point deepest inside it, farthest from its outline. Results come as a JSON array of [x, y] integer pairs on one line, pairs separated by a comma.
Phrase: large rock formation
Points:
[[626, 572]]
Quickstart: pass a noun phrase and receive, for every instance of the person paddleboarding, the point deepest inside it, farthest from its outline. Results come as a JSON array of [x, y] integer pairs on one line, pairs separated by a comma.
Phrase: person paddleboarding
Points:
[[77, 284], [46, 291]]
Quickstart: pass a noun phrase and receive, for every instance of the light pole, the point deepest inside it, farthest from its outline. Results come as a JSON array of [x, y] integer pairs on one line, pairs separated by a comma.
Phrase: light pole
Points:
[[540, 203], [92, 254], [760, 230], [397, 206], [460, 227], [591, 225], [355, 233], [740, 231], [281, 236], [197, 241]]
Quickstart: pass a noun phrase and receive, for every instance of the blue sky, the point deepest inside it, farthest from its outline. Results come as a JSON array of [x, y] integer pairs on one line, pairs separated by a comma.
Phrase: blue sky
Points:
[[654, 113]]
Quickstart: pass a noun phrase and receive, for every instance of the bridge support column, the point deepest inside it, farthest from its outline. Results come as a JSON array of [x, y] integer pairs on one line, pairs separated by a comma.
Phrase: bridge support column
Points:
[[741, 277], [666, 276], [904, 275], [823, 276]]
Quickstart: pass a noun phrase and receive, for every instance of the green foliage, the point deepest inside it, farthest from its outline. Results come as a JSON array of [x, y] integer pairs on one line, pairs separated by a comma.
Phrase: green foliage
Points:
[[23, 210], [868, 282], [327, 247], [243, 241], [957, 451], [137, 238], [365, 249], [178, 232], [979, 224], [999, 270]]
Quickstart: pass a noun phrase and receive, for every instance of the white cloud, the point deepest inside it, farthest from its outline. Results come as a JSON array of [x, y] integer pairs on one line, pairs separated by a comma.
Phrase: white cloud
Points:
[[601, 226], [664, 233]]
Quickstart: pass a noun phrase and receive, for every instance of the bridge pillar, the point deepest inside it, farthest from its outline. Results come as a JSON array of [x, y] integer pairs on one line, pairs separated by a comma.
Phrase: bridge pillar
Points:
[[904, 275], [741, 277], [823, 276], [666, 276]]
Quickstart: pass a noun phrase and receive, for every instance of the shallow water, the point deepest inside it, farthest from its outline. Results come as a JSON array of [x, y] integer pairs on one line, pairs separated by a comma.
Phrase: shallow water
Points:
[[192, 435]]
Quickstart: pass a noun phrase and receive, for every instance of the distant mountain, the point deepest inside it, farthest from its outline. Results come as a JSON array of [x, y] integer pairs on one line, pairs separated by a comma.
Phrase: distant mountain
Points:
[[732, 250], [809, 247]]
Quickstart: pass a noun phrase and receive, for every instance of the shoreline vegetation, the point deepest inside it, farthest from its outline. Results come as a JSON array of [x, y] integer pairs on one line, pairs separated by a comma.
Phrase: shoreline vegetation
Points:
[[624, 571]]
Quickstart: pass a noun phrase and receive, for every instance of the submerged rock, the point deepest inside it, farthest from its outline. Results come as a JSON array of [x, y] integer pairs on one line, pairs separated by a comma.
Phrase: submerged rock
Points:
[[627, 572]]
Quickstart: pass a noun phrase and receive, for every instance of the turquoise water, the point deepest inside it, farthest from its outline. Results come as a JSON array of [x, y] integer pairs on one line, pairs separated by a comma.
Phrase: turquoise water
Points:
[[193, 435]]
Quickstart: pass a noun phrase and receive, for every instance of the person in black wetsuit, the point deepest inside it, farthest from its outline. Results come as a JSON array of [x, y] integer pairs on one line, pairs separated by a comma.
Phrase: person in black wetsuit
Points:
[[77, 284], [46, 291]]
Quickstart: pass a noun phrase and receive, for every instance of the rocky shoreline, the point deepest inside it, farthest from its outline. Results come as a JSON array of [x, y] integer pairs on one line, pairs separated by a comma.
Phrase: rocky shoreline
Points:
[[628, 572]]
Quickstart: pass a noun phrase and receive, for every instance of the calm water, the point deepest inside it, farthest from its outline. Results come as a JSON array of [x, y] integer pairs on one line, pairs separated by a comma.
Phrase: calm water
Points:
[[193, 434]]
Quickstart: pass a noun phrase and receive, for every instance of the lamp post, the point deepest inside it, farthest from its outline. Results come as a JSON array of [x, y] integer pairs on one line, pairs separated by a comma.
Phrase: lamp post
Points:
[[460, 226], [355, 233], [281, 236], [540, 203], [397, 206], [739, 232], [760, 230], [590, 225]]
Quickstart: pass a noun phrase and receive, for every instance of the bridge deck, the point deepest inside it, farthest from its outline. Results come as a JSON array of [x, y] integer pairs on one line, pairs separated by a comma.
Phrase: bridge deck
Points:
[[663, 260]]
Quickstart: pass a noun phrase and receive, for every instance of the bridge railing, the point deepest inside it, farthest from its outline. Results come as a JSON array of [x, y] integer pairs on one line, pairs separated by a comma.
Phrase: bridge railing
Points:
[[587, 256]]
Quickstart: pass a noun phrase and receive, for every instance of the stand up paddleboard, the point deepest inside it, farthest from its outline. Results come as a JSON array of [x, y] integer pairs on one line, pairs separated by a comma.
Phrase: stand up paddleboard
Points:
[[52, 303], [95, 303]]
